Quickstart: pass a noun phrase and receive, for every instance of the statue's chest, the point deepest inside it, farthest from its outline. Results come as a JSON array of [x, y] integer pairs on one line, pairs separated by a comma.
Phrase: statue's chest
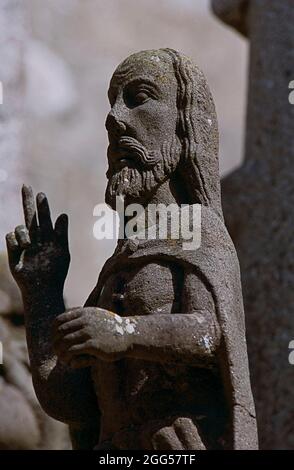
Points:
[[142, 290]]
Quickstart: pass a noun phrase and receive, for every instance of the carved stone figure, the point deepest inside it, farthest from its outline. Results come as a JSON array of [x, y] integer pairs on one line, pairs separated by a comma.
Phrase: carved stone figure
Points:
[[156, 359]]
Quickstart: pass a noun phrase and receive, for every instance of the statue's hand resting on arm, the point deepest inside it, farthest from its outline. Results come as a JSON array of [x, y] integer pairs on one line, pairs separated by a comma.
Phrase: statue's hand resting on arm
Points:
[[83, 335]]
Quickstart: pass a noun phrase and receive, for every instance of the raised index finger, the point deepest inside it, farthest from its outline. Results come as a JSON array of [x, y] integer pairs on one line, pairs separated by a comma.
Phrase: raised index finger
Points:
[[29, 209]]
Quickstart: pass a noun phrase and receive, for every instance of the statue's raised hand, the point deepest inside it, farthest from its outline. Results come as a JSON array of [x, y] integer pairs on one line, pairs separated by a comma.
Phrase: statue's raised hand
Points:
[[38, 253]]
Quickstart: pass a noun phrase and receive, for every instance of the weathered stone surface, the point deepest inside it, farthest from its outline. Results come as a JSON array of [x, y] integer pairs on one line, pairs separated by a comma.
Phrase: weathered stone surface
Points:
[[258, 208], [156, 359]]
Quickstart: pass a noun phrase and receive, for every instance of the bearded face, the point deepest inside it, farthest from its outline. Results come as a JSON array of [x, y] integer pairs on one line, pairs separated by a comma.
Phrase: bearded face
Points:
[[143, 149], [135, 173]]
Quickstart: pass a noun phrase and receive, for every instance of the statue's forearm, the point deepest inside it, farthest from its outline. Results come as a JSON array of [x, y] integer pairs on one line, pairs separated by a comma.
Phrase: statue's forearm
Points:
[[191, 338], [57, 386], [41, 308]]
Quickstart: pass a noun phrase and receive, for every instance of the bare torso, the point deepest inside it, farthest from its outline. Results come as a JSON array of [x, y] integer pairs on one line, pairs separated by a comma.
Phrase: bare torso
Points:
[[134, 394]]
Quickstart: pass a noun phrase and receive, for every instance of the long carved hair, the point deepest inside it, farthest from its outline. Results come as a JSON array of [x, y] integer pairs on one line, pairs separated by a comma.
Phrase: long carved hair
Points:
[[197, 130]]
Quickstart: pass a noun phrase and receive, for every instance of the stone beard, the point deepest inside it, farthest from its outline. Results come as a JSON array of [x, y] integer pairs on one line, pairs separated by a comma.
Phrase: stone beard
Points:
[[144, 172]]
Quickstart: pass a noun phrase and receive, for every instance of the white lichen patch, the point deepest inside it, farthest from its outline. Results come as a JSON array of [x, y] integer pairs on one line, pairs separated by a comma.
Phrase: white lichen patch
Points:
[[124, 325], [207, 341], [133, 321], [209, 121], [156, 58], [119, 329], [130, 328]]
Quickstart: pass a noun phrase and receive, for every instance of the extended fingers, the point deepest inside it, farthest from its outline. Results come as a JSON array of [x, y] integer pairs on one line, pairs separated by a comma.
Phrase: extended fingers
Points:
[[44, 216], [29, 210], [45, 228], [61, 230]]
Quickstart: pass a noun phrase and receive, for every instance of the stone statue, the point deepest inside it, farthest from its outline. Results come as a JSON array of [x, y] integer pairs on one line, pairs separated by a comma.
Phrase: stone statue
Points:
[[156, 359]]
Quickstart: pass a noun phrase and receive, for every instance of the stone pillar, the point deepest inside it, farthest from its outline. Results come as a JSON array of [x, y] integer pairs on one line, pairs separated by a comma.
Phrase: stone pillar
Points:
[[258, 201]]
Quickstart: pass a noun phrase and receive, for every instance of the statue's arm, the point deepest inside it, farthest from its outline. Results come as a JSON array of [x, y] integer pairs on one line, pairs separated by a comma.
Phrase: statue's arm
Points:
[[191, 336], [39, 259], [64, 393]]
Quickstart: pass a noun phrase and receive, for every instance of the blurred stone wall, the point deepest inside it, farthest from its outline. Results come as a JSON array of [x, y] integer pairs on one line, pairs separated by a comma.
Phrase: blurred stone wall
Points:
[[72, 51], [23, 425], [13, 39]]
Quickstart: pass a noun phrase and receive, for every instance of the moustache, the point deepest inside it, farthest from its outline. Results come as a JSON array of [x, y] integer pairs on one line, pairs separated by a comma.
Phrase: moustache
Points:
[[130, 151]]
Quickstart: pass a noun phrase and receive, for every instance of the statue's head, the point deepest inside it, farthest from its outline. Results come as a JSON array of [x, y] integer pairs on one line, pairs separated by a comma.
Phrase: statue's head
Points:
[[162, 124]]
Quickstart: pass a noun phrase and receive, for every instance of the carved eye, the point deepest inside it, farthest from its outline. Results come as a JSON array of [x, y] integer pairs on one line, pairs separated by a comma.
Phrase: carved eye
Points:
[[135, 98], [141, 97]]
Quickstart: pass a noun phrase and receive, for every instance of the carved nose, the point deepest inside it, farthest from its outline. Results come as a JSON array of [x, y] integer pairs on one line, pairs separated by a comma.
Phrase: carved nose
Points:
[[114, 126]]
